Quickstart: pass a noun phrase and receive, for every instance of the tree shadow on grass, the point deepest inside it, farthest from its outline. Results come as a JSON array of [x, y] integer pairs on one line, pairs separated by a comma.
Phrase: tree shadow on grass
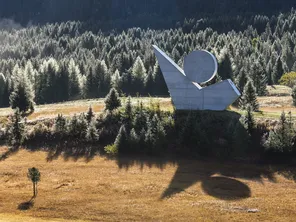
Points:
[[68, 151], [11, 151], [72, 153], [125, 162], [26, 205]]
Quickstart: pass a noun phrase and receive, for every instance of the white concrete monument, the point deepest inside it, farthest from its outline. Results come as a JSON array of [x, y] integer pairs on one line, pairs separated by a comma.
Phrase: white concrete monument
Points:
[[199, 67]]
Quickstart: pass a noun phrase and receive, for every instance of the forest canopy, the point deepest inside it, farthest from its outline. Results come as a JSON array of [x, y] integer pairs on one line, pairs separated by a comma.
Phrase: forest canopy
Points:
[[47, 62], [129, 13]]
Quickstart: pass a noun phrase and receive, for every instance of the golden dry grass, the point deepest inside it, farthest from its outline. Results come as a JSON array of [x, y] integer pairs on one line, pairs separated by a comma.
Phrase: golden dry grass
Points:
[[99, 191], [278, 90], [276, 102], [80, 106], [271, 106], [279, 99]]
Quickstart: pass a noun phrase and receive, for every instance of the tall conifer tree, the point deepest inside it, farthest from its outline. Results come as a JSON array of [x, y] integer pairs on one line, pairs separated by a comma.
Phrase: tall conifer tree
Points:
[[249, 97]]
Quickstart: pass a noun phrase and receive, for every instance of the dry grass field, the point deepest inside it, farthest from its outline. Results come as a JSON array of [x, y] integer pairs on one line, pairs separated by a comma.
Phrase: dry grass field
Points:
[[76, 107], [144, 190], [279, 99]]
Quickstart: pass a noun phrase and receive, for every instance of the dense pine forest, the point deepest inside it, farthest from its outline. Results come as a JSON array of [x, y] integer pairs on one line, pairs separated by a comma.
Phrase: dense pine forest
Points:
[[49, 56], [56, 62], [130, 13]]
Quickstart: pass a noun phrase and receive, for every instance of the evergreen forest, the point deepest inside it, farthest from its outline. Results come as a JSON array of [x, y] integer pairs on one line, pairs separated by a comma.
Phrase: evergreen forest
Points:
[[56, 52]]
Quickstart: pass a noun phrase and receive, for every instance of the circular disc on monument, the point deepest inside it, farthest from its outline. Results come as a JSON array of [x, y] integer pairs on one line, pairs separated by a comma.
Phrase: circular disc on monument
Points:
[[200, 66]]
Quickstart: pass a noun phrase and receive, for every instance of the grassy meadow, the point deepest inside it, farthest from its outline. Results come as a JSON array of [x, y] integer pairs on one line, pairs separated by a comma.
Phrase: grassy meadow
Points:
[[278, 99], [144, 190]]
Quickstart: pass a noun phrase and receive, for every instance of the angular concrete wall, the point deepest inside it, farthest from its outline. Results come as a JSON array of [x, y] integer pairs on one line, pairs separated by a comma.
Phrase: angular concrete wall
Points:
[[189, 95]]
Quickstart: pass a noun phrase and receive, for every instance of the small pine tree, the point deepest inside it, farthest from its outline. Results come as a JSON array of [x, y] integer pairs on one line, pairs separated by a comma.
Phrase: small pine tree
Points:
[[2, 88], [74, 127], [225, 67], [241, 80], [34, 176], [112, 100], [281, 139], [22, 96], [140, 121], [90, 115], [139, 70], [91, 85], [74, 75], [82, 126], [128, 108], [134, 139], [121, 141], [262, 87], [138, 75], [277, 71], [294, 95], [249, 97], [92, 132], [60, 124], [155, 134], [116, 79], [128, 115], [249, 120], [16, 131]]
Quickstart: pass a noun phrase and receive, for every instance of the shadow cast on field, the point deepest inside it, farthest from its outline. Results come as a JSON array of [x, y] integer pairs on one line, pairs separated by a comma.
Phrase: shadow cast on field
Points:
[[26, 205], [72, 153], [220, 180], [11, 151], [68, 152], [124, 162], [225, 188]]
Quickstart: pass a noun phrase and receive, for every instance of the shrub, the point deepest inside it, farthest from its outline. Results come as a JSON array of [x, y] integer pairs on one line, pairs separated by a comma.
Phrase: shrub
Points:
[[111, 149], [288, 79]]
